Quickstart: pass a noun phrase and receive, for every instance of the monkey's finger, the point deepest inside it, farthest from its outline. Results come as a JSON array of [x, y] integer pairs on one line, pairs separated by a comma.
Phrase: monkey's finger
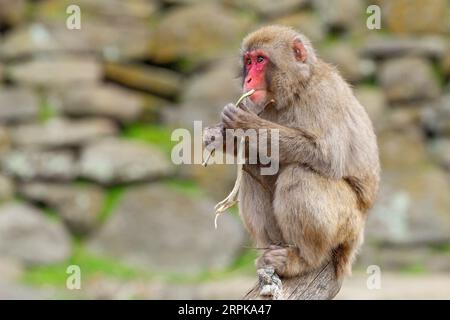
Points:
[[229, 114], [227, 122], [231, 107], [231, 111], [243, 107]]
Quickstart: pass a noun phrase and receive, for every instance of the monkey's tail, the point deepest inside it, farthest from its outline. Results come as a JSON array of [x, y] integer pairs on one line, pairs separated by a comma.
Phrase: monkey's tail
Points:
[[342, 259]]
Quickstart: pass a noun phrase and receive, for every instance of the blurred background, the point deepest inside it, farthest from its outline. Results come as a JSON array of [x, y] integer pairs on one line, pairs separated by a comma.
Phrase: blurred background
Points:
[[86, 118]]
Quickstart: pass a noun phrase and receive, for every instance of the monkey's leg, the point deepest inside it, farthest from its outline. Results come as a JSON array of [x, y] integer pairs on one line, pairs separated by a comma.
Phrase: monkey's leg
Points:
[[255, 208], [315, 215]]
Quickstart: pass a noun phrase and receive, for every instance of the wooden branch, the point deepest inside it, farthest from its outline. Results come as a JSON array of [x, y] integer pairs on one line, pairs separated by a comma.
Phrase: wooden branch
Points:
[[320, 284]]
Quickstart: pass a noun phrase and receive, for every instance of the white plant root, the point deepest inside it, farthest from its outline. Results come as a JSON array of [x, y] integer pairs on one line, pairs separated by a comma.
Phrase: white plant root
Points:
[[232, 198]]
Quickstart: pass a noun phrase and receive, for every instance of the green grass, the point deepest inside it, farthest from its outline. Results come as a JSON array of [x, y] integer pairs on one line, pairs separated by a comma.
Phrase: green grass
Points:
[[112, 197], [90, 265], [93, 266], [150, 133]]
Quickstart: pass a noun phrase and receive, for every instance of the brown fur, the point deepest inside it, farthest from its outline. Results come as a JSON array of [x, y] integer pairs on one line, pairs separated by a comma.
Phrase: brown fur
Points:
[[315, 208]]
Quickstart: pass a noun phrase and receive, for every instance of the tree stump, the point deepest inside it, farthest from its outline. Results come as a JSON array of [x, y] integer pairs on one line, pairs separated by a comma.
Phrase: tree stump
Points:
[[320, 284]]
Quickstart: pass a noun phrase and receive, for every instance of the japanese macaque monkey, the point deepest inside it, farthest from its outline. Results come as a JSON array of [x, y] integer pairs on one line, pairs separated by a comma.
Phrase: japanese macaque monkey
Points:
[[314, 208]]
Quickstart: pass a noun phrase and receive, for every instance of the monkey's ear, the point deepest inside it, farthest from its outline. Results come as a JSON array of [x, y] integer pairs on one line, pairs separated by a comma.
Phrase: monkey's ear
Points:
[[299, 50]]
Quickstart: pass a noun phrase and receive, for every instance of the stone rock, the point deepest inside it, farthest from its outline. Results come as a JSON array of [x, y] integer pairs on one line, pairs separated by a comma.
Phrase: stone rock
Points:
[[436, 116], [446, 64], [35, 164], [78, 205], [12, 12], [18, 104], [348, 62], [28, 236], [307, 23], [217, 188], [100, 37], [55, 72], [152, 79], [107, 101], [113, 10], [182, 2], [7, 188], [112, 161], [268, 8], [374, 101], [421, 84], [403, 258], [60, 132], [402, 150], [157, 227], [5, 142], [10, 270], [197, 32], [440, 150], [38, 38], [17, 291], [382, 47], [403, 117], [341, 14], [201, 99], [415, 16], [413, 206]]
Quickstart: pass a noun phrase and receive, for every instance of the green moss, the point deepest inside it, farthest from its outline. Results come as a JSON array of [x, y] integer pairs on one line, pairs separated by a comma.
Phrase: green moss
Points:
[[246, 262], [46, 111], [112, 197], [417, 268], [51, 213], [90, 265], [151, 133], [441, 248], [185, 65], [438, 73], [185, 186]]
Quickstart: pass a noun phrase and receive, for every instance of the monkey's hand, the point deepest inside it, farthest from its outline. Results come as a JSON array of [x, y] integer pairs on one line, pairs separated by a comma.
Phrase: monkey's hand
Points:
[[285, 261], [234, 117]]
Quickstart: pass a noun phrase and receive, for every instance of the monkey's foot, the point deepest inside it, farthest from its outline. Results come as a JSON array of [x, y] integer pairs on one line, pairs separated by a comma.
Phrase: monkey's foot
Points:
[[275, 257], [270, 283]]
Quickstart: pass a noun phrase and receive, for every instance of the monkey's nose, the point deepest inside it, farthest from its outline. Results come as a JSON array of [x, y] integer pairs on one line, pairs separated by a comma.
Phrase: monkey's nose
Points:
[[249, 80]]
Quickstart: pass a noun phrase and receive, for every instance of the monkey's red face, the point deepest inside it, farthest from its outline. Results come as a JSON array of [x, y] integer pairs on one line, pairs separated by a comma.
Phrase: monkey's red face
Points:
[[255, 68]]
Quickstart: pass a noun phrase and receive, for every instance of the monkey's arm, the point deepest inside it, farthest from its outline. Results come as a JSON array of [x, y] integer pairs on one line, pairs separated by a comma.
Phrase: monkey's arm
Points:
[[295, 145]]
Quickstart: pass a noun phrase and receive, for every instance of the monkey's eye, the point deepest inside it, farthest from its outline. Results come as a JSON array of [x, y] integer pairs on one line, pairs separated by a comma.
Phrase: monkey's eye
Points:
[[248, 61], [259, 59]]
